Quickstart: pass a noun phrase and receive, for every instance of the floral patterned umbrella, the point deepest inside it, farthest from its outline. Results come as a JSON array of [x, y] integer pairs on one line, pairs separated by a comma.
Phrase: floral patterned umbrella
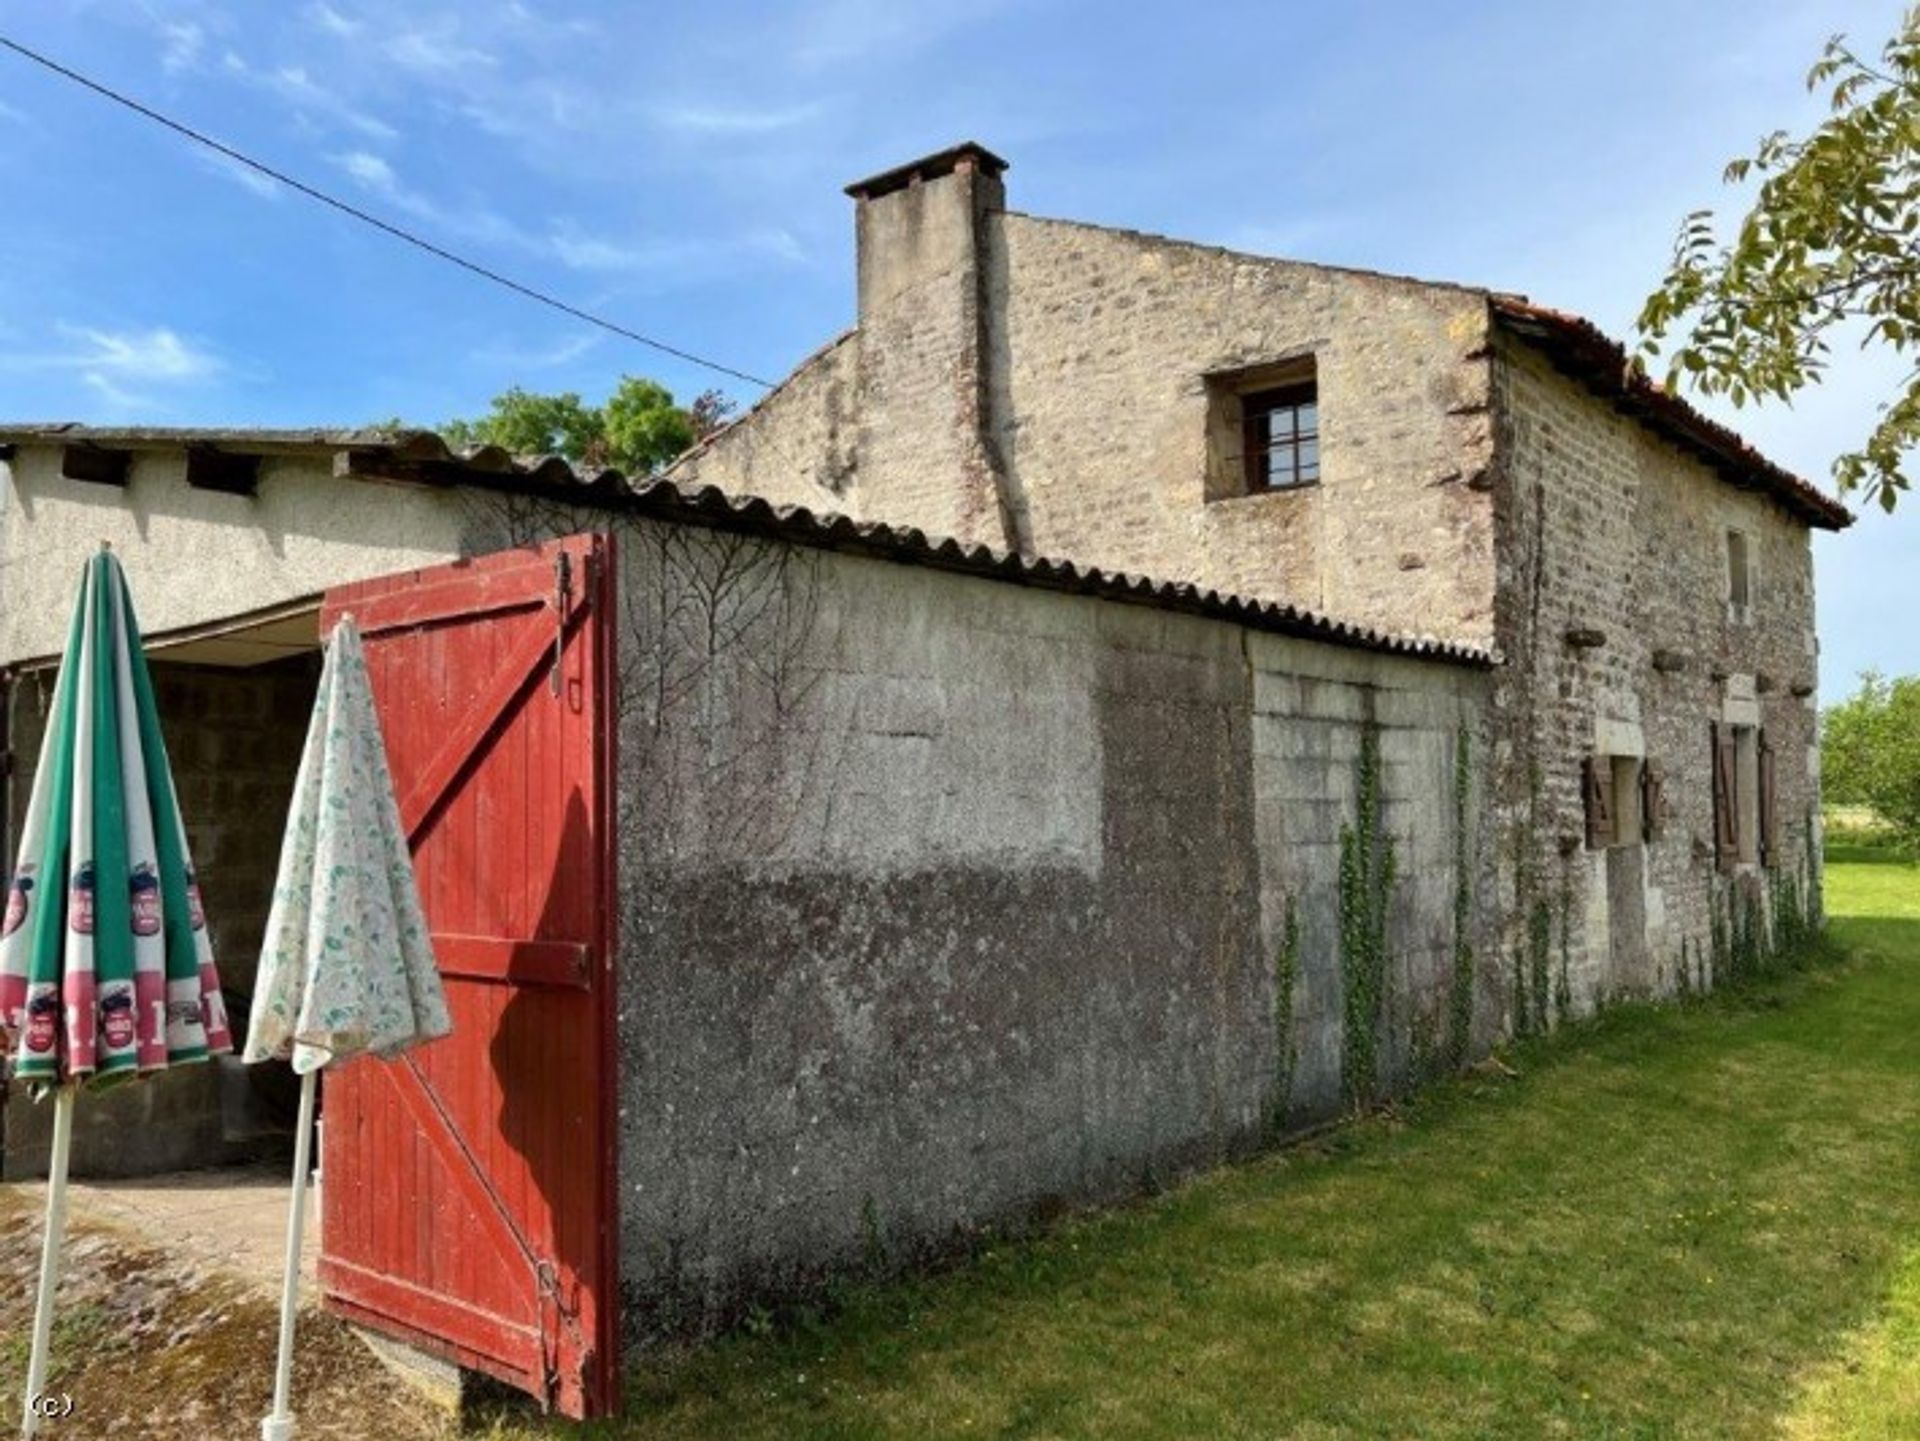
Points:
[[106, 972], [346, 968]]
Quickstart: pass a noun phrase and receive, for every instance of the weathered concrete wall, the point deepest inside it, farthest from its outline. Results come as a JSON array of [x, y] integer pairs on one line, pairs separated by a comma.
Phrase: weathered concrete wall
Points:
[[1606, 527], [946, 903], [195, 555], [1045, 386], [234, 739]]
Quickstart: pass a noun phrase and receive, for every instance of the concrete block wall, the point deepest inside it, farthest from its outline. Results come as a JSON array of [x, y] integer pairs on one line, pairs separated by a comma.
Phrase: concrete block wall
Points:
[[948, 903], [1311, 704]]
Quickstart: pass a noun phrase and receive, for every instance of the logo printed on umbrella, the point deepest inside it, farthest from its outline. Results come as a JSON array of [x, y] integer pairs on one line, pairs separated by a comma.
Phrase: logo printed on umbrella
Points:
[[195, 912], [143, 891], [19, 899], [116, 1016], [43, 1020], [80, 901]]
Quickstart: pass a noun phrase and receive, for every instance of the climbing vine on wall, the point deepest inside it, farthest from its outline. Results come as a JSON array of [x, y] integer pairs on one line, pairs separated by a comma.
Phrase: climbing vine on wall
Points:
[[1286, 976], [1460, 997], [1367, 869], [1816, 899]]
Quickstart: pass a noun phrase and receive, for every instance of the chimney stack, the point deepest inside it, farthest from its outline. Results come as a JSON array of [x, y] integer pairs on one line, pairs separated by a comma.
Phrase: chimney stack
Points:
[[930, 274]]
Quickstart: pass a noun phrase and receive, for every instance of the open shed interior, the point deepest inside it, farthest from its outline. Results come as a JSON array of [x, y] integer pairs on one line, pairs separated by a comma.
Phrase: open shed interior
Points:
[[234, 700]]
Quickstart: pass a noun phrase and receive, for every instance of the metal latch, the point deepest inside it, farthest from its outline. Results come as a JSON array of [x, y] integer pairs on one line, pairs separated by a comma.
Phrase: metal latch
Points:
[[562, 603]]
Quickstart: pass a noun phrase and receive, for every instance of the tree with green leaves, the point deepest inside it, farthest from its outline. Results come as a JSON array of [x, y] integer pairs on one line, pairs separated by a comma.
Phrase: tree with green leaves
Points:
[[638, 429], [1870, 753], [1827, 252]]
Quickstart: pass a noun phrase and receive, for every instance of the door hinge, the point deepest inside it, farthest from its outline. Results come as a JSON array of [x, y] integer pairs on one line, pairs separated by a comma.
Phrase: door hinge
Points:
[[562, 603]]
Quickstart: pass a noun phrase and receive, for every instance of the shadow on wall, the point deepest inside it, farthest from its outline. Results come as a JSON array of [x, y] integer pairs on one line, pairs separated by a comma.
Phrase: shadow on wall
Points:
[[536, 1061]]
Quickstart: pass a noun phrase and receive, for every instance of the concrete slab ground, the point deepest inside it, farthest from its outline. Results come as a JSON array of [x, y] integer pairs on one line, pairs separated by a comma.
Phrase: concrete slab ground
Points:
[[232, 1220]]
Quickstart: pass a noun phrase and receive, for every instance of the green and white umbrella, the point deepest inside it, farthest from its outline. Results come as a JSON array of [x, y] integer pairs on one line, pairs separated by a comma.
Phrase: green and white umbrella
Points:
[[106, 972], [347, 966]]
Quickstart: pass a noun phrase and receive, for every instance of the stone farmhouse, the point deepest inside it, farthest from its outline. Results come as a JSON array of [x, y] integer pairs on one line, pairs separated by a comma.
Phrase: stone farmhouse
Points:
[[1122, 703], [1428, 459]]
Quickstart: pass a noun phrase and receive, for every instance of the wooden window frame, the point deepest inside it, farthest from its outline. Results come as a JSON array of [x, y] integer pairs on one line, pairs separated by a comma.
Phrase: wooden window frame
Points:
[[1620, 809], [1255, 407]]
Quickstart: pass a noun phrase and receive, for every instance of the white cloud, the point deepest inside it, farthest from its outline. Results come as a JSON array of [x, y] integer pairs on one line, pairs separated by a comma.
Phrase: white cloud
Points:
[[313, 102], [370, 171], [117, 397], [722, 120], [12, 116], [378, 178], [578, 250], [333, 22], [180, 45], [264, 186], [159, 354], [433, 53], [552, 357], [123, 367]]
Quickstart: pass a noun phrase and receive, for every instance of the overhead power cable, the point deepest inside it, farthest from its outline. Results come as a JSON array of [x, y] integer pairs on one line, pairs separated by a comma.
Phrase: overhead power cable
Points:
[[398, 232]]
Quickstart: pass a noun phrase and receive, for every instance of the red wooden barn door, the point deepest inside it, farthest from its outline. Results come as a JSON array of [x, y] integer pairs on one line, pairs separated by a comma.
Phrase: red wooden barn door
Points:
[[468, 1186]]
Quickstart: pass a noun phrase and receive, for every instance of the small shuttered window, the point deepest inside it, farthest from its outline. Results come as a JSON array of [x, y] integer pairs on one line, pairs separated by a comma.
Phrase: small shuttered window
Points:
[[1769, 806], [1597, 782], [1726, 798], [1653, 800]]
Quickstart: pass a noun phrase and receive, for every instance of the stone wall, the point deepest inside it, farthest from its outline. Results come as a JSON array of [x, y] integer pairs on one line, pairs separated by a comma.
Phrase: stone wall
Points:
[[234, 739], [1056, 388], [947, 903], [1608, 529], [1104, 419]]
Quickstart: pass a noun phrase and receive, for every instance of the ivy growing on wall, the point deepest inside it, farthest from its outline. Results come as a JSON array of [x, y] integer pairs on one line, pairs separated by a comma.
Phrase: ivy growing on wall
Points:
[[1460, 997], [1760, 927], [1815, 898], [1286, 976], [1563, 983], [1367, 870]]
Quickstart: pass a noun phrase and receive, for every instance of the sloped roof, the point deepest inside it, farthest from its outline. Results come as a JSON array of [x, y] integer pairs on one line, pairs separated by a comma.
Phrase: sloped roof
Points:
[[1583, 351], [425, 458]]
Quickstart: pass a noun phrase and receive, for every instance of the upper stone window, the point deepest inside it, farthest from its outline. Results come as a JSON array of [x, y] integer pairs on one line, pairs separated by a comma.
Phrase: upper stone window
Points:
[[1281, 437], [1263, 429], [1739, 577]]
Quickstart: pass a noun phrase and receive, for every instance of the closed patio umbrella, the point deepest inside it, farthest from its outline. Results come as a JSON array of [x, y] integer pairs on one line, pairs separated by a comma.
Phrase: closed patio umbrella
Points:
[[106, 972], [346, 968]]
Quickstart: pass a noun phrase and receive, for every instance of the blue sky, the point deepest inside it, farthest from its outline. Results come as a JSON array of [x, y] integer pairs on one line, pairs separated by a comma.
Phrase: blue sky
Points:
[[680, 172]]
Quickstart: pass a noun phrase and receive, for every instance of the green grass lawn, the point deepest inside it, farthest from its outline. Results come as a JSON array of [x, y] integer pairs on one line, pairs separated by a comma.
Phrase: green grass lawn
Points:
[[1696, 1220]]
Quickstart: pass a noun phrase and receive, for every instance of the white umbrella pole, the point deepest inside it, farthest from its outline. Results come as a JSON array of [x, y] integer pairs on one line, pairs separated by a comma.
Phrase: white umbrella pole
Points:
[[49, 1256], [279, 1425]]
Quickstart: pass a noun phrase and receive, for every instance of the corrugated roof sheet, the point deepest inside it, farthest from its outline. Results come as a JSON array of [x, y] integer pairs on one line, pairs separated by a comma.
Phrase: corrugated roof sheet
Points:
[[425, 457]]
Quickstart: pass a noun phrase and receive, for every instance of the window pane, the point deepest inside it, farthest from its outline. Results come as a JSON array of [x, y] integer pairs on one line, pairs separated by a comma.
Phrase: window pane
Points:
[[1310, 455], [1309, 416], [1280, 467]]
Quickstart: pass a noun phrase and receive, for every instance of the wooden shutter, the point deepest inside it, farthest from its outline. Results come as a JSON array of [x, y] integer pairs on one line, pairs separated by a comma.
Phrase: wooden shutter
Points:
[[1653, 800], [1597, 781], [1769, 811], [1726, 819]]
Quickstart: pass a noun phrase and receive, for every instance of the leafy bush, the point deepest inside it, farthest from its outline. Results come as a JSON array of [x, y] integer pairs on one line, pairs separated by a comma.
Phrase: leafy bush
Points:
[[1870, 754]]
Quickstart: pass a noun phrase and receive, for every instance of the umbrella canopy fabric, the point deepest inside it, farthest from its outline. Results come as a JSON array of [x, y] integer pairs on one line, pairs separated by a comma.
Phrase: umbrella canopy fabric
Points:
[[347, 963], [106, 968]]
